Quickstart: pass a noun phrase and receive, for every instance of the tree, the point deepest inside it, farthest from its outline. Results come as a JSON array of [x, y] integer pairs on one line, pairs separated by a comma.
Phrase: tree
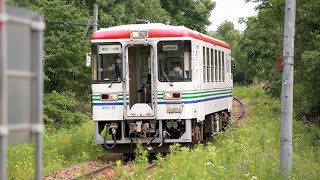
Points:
[[264, 40], [112, 13], [64, 60], [64, 46], [232, 36], [193, 14], [224, 28], [262, 44]]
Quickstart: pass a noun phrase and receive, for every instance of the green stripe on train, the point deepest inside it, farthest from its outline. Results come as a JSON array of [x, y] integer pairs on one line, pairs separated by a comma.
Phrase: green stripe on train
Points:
[[202, 95], [200, 91], [184, 95]]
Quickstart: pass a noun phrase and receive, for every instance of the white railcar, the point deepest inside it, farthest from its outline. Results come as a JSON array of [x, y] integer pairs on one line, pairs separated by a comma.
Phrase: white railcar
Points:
[[158, 84]]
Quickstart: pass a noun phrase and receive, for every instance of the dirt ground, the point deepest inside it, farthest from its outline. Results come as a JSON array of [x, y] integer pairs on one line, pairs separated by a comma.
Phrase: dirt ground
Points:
[[79, 169]]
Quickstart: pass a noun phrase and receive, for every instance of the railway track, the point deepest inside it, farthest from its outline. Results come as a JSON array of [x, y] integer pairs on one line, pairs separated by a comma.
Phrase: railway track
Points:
[[97, 172], [242, 111], [105, 169]]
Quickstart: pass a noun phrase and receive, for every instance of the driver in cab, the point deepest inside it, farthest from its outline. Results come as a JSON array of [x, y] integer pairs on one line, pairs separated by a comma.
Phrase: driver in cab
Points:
[[115, 67], [177, 72]]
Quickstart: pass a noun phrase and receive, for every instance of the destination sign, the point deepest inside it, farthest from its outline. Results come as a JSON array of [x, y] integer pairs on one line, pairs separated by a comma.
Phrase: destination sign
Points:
[[109, 49], [170, 47]]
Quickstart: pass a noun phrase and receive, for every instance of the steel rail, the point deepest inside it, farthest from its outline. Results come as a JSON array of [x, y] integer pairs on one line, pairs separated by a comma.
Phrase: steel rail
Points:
[[103, 169], [242, 110], [151, 166], [96, 172]]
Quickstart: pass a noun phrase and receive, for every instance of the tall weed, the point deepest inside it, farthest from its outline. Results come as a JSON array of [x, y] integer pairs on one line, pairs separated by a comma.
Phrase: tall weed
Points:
[[61, 149]]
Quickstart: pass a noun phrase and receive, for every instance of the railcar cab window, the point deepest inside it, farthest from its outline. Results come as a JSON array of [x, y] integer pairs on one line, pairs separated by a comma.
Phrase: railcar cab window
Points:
[[107, 65], [174, 61]]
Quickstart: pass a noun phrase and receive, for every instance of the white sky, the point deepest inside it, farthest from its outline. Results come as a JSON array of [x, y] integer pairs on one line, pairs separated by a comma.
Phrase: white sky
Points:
[[231, 10]]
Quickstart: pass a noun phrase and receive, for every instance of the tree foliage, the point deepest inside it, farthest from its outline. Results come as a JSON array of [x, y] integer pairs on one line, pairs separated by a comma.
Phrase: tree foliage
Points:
[[264, 41], [193, 14], [232, 36]]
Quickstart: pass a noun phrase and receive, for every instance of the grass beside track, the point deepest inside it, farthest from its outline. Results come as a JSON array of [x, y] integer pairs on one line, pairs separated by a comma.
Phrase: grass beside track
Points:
[[249, 152], [61, 149]]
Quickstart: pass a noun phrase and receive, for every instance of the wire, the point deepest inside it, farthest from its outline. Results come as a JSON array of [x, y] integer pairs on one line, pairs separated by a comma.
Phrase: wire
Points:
[[66, 22]]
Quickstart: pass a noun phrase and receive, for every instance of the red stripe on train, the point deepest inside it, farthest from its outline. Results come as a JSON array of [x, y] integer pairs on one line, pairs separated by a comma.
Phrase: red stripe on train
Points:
[[159, 33]]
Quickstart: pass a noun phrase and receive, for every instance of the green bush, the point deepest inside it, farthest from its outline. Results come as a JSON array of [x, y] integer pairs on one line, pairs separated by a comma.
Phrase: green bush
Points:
[[307, 99], [64, 110]]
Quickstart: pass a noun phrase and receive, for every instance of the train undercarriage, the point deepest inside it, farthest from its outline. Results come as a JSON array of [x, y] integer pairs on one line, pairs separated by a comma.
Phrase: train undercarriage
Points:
[[158, 135]]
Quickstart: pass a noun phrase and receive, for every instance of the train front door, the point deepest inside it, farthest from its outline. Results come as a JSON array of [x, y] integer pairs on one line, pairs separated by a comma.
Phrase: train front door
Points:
[[139, 86]]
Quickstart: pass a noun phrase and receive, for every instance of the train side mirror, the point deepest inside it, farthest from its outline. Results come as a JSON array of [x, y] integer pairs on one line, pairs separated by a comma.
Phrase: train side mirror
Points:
[[88, 59], [233, 62]]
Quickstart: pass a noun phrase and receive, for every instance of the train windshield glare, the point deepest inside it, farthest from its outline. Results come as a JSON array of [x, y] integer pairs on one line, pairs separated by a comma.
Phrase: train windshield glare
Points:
[[174, 61]]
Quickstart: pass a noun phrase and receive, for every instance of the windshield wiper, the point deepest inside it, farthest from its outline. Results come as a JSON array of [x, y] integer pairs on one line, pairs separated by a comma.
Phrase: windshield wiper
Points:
[[111, 84], [170, 83]]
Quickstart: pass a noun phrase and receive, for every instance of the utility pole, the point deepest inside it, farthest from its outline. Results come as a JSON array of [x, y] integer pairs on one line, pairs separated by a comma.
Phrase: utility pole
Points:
[[95, 18], [287, 89]]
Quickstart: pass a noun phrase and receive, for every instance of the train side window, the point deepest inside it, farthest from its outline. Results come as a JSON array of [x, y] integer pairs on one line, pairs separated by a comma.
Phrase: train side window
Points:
[[208, 66], [216, 65], [219, 65], [223, 67], [187, 59], [94, 69], [212, 66], [204, 64]]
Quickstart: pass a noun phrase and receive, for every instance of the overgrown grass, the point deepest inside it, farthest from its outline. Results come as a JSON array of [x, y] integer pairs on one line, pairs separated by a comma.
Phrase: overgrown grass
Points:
[[61, 149], [249, 152]]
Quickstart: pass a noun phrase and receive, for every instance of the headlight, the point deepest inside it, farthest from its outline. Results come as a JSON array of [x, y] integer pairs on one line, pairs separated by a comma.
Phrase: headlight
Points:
[[139, 34], [135, 34], [167, 95], [171, 95], [113, 97]]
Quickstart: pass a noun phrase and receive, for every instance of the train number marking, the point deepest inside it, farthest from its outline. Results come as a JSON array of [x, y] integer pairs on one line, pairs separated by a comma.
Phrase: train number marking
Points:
[[108, 107]]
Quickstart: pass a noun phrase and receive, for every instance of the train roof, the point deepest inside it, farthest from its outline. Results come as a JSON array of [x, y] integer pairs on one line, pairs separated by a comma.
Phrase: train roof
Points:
[[155, 30]]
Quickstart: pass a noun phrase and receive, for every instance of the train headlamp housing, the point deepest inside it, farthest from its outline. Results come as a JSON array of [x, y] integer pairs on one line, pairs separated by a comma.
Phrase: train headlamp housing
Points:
[[114, 97], [139, 35], [167, 95], [109, 97], [171, 95]]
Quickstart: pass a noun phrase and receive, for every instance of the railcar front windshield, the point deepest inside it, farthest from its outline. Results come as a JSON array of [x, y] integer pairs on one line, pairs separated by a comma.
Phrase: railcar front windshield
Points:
[[174, 60], [107, 65]]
